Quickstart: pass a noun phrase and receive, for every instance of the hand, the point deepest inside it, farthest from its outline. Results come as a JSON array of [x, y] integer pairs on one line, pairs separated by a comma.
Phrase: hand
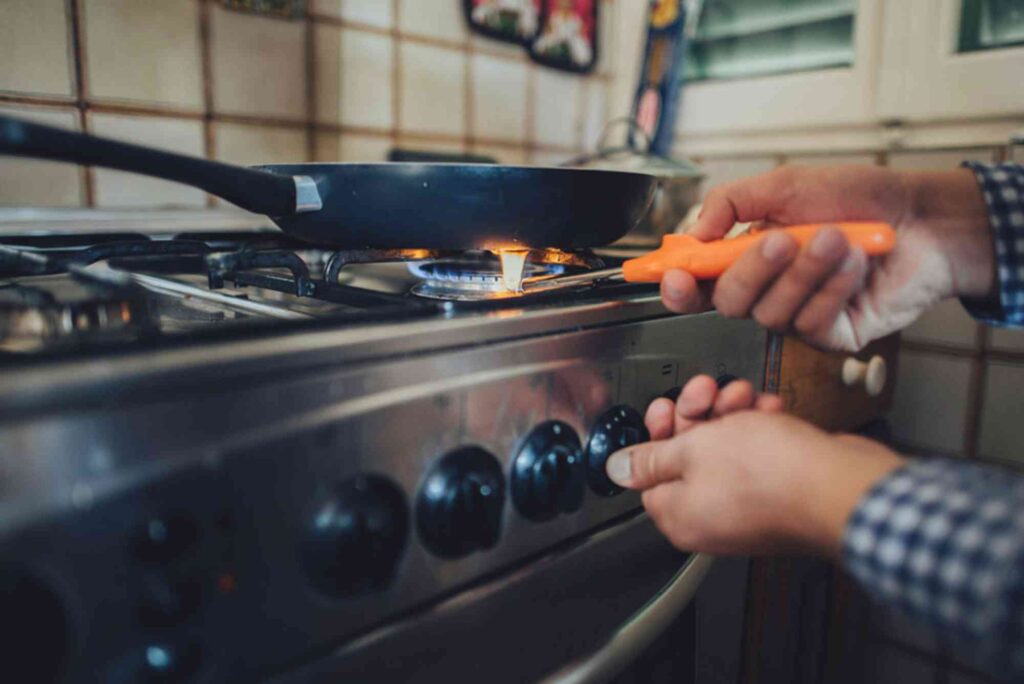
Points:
[[753, 481], [828, 292], [701, 399]]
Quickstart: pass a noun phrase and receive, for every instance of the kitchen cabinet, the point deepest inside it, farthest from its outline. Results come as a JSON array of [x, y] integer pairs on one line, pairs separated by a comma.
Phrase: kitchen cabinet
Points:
[[950, 59]]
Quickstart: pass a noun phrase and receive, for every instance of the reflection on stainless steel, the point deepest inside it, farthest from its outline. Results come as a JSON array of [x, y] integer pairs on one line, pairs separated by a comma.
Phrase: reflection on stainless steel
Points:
[[572, 282]]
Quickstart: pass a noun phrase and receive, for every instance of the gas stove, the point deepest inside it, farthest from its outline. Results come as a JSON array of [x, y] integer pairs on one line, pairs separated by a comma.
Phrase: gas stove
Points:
[[229, 456]]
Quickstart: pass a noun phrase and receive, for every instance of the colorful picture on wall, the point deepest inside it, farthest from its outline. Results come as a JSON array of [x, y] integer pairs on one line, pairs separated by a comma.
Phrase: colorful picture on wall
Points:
[[568, 35]]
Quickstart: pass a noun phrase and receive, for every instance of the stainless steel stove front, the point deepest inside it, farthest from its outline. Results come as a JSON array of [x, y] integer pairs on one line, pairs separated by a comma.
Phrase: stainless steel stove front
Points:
[[169, 519]]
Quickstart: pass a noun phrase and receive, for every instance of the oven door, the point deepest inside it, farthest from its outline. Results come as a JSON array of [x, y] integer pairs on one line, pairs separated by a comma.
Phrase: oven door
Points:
[[579, 614]]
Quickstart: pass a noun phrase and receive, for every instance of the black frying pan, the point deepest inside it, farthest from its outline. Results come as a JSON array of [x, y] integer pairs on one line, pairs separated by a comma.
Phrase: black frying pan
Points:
[[385, 205]]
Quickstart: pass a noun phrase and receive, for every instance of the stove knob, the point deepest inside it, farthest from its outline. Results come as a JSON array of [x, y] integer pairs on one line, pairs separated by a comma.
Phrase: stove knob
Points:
[[460, 503], [356, 537], [548, 473], [617, 428]]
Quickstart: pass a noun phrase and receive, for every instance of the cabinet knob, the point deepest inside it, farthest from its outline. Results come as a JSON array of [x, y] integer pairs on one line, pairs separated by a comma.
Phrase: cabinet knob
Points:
[[872, 373]]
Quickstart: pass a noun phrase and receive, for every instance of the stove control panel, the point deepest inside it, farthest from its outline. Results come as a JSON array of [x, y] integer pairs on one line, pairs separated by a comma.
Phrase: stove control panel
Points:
[[228, 532]]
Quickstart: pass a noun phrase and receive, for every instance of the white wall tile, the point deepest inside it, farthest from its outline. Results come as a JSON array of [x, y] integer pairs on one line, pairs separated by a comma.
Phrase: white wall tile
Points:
[[595, 112], [258, 65], [120, 189], [361, 148], [1006, 339], [945, 323], [433, 89], [1001, 435], [34, 51], [420, 145], [556, 108], [353, 71], [549, 158], [499, 98], [252, 145], [938, 160], [722, 171], [930, 402], [144, 51], [830, 159], [514, 156], [434, 18], [512, 51], [28, 182], [373, 12]]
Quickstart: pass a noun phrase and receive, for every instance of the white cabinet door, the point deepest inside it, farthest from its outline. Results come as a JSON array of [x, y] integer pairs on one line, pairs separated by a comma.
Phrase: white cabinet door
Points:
[[923, 76], [825, 98]]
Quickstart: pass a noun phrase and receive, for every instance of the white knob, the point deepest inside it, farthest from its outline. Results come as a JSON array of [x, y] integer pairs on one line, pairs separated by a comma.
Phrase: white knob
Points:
[[872, 373]]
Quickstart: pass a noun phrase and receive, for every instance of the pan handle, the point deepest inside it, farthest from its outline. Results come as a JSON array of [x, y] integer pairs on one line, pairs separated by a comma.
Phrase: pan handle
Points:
[[262, 192]]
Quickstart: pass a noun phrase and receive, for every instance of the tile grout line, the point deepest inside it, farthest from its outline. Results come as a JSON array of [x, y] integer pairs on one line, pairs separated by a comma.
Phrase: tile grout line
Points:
[[206, 73], [311, 78], [529, 122], [396, 73], [74, 11]]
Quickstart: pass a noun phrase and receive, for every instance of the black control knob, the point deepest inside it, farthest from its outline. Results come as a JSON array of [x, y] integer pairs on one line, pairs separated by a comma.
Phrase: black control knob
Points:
[[617, 428], [548, 472], [165, 602], [355, 539], [460, 503]]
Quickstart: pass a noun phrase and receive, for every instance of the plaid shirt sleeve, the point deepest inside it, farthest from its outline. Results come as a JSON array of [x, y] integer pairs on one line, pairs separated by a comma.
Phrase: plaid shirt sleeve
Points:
[[1003, 188], [943, 540]]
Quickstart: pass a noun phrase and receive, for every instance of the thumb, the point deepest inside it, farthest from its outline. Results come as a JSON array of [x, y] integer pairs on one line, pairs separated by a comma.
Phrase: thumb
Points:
[[645, 465]]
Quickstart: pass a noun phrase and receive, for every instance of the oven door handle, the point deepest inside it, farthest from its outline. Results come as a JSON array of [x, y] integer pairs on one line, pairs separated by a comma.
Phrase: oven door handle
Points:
[[639, 631]]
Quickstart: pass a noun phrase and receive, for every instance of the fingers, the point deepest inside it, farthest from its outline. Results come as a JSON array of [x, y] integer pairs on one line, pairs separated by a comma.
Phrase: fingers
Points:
[[736, 396], [822, 309], [768, 402], [778, 307], [750, 199], [754, 271], [660, 418], [642, 466], [694, 402], [699, 399], [681, 293]]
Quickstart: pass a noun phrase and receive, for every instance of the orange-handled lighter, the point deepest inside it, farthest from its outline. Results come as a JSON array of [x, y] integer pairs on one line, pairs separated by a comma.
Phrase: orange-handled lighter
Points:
[[707, 260]]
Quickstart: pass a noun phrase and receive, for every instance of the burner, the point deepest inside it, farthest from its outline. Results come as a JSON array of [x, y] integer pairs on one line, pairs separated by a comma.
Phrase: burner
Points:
[[472, 278]]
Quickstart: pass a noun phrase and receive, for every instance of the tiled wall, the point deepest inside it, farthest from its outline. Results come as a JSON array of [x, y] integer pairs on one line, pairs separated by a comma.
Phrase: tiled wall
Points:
[[348, 82]]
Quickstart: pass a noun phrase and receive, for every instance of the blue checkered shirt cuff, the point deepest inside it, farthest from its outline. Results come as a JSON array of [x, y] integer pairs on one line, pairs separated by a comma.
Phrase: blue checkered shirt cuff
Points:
[[943, 540], [1003, 188]]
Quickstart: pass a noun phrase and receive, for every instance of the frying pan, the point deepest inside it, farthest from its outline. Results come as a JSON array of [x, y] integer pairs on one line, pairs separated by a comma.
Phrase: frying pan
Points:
[[383, 205]]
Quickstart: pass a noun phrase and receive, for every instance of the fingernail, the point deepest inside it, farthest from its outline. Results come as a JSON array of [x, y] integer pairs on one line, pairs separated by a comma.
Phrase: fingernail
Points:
[[619, 467], [776, 246], [853, 260], [828, 241]]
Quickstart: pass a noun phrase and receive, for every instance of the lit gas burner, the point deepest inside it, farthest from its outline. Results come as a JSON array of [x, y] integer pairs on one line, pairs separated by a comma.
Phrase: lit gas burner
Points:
[[472, 277]]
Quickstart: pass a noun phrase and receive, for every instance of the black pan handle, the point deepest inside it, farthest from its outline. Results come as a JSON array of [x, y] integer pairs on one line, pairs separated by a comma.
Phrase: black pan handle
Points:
[[262, 192]]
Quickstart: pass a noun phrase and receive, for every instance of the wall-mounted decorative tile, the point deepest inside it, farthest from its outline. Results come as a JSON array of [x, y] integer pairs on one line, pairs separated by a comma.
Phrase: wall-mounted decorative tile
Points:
[[432, 18], [371, 12], [1000, 423], [34, 47], [433, 90], [513, 156], [722, 171], [938, 160], [930, 403], [120, 189], [353, 73], [499, 98], [144, 51], [831, 159], [28, 182], [251, 145], [595, 111], [258, 65], [1006, 339], [556, 108], [945, 323]]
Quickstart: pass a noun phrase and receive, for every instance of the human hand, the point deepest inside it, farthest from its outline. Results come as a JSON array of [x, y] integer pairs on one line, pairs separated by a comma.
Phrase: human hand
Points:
[[701, 399], [828, 292], [752, 481]]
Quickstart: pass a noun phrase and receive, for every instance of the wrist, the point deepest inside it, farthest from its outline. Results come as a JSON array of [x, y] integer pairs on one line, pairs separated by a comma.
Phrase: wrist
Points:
[[949, 207]]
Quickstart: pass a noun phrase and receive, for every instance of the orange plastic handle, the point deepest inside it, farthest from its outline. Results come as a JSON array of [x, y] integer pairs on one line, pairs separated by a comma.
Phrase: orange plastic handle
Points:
[[707, 260]]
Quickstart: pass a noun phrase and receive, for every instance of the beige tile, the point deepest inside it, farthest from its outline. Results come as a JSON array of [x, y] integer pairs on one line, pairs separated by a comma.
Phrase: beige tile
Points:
[[28, 182], [549, 158], [353, 71], [420, 145], [930, 403], [607, 50], [336, 147], [938, 160], [945, 323], [556, 114], [1006, 339], [831, 159], [595, 112], [252, 145], [119, 189], [258, 65], [1001, 435], [434, 18], [144, 51], [433, 90], [373, 12], [722, 171], [499, 98], [513, 156], [34, 47], [511, 51]]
